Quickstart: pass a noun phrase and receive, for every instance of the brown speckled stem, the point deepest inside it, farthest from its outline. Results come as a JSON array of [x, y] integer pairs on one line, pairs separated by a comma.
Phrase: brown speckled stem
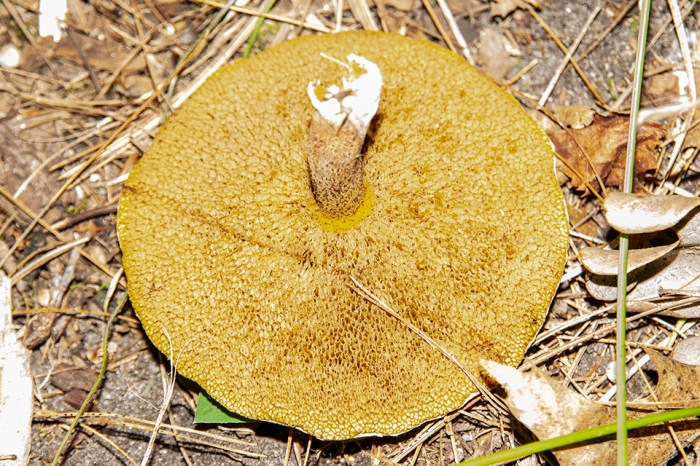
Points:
[[335, 166]]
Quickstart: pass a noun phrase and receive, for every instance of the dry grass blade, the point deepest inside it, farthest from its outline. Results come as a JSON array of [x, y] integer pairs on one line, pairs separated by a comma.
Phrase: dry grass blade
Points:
[[106, 440], [456, 32], [361, 290], [260, 14], [436, 21], [49, 256], [360, 9], [192, 436], [36, 218]]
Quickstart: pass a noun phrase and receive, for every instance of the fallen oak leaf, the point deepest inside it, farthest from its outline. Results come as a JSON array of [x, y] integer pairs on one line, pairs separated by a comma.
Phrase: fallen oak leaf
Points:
[[548, 409], [599, 149]]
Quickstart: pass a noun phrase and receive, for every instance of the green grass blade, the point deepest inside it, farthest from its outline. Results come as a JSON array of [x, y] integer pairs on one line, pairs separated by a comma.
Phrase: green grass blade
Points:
[[578, 437], [621, 314]]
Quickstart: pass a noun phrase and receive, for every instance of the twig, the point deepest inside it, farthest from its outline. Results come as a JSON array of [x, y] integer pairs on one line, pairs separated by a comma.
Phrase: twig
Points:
[[187, 434], [96, 385], [360, 10], [428, 7], [569, 55], [563, 48], [273, 17], [83, 216], [62, 249], [449, 17]]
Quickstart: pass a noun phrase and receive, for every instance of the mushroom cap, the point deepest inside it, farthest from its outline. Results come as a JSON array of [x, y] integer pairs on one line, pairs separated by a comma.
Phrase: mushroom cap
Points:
[[231, 266]]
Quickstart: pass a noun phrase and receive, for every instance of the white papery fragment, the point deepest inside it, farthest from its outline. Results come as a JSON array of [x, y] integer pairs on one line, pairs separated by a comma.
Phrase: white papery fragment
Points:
[[544, 406], [356, 100], [9, 56], [51, 16], [15, 387]]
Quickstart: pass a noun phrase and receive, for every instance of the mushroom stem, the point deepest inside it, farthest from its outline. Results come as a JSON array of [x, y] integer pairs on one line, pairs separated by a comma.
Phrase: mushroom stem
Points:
[[337, 133], [335, 167]]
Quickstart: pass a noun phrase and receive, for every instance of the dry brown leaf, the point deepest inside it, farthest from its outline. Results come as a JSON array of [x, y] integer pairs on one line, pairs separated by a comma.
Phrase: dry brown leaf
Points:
[[604, 142], [401, 5], [583, 216], [661, 88], [678, 382], [640, 213], [605, 261], [549, 409], [503, 8], [575, 116], [493, 57]]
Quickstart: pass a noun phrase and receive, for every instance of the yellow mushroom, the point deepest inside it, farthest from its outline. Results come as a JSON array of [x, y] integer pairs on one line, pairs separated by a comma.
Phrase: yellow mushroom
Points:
[[459, 226]]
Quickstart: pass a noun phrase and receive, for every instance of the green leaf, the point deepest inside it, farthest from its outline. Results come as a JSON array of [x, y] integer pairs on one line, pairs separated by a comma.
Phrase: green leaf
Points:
[[211, 412]]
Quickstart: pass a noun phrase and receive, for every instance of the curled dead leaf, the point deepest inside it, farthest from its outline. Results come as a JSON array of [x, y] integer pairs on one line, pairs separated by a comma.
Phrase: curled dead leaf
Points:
[[688, 351], [605, 261], [678, 382], [598, 150], [669, 281], [641, 213], [677, 270]]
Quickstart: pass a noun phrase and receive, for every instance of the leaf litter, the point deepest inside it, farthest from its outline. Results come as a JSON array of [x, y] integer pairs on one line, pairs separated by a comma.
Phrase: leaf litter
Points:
[[63, 100]]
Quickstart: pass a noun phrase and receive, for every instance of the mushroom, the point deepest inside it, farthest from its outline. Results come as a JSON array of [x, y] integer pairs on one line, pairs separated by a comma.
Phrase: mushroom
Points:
[[234, 265]]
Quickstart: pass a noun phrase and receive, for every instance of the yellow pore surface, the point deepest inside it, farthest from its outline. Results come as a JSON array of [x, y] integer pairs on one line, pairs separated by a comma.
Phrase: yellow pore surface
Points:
[[229, 260]]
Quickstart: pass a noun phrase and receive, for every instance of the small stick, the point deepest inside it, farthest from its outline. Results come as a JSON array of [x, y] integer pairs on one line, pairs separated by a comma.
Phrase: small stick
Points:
[[569, 55]]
